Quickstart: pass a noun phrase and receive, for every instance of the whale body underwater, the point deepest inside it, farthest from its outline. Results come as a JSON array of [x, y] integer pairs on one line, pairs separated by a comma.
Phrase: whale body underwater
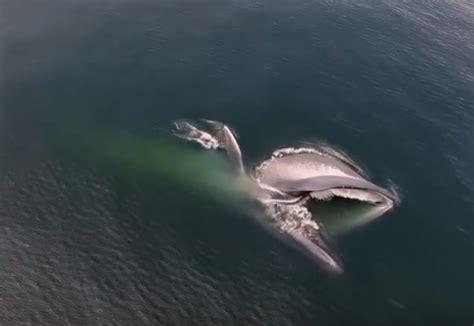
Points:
[[290, 180]]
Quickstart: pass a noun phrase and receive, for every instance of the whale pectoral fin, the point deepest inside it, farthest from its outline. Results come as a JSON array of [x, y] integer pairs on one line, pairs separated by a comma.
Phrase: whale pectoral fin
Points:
[[217, 128], [314, 244], [220, 136], [295, 223]]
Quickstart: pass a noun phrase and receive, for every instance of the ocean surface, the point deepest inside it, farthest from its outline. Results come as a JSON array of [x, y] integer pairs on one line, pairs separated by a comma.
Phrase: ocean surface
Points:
[[92, 239]]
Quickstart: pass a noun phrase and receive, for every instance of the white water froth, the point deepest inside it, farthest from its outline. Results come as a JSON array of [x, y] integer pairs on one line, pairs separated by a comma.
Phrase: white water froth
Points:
[[187, 131], [361, 195], [290, 218]]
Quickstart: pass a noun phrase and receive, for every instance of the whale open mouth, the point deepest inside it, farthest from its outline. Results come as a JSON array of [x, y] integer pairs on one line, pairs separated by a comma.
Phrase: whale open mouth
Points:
[[293, 178]]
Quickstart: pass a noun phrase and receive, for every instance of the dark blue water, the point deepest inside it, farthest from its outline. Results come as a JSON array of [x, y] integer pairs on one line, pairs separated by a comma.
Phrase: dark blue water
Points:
[[84, 242]]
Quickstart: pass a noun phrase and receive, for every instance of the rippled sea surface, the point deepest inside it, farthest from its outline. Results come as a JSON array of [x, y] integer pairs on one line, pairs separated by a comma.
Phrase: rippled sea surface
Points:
[[89, 241]]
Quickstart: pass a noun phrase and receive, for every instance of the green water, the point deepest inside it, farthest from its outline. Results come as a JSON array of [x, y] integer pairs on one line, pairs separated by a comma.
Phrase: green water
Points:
[[107, 220]]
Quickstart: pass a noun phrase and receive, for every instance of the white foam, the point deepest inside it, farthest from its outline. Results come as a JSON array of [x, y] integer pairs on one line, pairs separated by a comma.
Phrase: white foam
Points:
[[187, 131], [356, 194], [290, 218]]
